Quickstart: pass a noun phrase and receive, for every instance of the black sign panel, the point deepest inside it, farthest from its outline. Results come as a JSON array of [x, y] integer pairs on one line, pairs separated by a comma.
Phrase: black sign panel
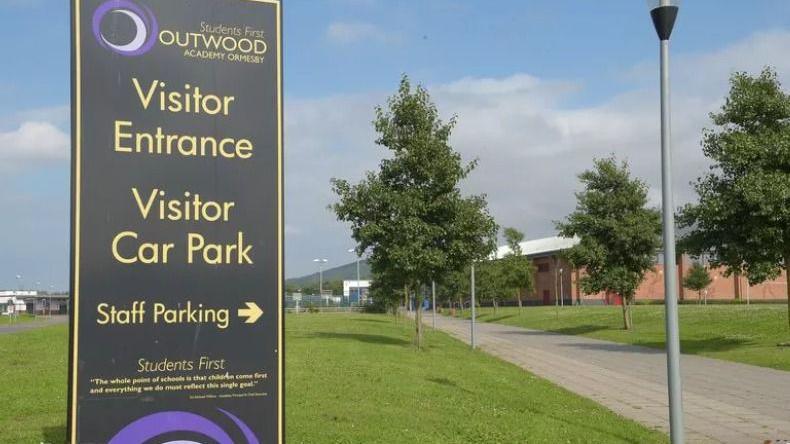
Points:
[[176, 330]]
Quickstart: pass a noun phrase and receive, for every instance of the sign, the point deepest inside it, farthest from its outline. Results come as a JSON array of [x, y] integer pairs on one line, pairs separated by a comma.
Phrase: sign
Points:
[[176, 328]]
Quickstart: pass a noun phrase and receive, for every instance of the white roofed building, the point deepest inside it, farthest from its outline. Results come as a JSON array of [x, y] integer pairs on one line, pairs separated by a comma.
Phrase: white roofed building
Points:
[[553, 275]]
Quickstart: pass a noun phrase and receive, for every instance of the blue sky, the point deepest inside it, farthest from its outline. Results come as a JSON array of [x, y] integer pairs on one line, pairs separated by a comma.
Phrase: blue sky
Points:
[[531, 81]]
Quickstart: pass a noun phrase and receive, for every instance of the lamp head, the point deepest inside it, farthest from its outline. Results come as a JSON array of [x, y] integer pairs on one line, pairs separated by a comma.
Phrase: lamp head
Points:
[[663, 13]]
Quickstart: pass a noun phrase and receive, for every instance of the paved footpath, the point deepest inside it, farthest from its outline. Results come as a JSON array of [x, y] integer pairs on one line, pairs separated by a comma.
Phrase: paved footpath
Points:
[[723, 401], [27, 325]]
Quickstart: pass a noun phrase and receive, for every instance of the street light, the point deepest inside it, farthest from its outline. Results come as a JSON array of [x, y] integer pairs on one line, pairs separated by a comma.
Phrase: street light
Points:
[[664, 13], [359, 290], [472, 332], [321, 263], [51, 290], [38, 288], [433, 303]]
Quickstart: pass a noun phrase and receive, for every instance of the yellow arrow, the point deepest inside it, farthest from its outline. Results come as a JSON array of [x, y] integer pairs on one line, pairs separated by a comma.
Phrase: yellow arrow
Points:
[[252, 312]]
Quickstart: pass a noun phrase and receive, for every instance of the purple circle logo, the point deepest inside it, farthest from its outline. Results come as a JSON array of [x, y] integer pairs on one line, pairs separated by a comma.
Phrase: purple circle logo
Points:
[[143, 35], [157, 424]]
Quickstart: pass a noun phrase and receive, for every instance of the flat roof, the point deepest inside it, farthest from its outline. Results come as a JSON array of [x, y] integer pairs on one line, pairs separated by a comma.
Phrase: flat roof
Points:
[[538, 247]]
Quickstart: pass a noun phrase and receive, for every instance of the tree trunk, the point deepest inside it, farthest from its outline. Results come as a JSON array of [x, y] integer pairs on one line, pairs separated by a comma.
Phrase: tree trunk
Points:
[[495, 305], [461, 305], [737, 285], [626, 314], [518, 296]]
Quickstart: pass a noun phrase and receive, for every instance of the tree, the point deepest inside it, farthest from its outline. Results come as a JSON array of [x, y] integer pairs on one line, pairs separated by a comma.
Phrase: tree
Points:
[[697, 279], [618, 235], [518, 270], [454, 286], [742, 219], [384, 291], [410, 214], [490, 281]]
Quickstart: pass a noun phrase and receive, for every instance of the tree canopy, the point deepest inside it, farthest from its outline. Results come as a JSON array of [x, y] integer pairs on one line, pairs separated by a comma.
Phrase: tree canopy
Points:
[[742, 219], [518, 271], [697, 278], [619, 235], [410, 214]]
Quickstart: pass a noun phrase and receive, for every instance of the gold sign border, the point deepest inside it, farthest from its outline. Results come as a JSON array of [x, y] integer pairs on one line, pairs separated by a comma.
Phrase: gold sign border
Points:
[[75, 217]]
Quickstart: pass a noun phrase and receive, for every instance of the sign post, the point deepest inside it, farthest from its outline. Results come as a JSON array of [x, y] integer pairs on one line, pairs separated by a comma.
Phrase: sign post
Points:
[[177, 208]]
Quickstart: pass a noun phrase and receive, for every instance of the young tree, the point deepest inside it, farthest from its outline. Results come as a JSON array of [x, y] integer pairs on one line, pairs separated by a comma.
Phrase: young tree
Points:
[[743, 216], [619, 235], [697, 279], [410, 214], [518, 270], [490, 282], [454, 286]]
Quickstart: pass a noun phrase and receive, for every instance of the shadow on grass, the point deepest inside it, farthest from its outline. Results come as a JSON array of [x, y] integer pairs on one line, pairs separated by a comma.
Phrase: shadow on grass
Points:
[[694, 346], [54, 435], [571, 331], [579, 329], [380, 321], [494, 318], [615, 347], [687, 346], [448, 383], [370, 339]]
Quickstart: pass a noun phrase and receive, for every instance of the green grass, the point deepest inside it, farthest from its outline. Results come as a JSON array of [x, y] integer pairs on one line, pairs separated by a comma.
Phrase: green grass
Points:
[[6, 320], [353, 379], [33, 368], [740, 333]]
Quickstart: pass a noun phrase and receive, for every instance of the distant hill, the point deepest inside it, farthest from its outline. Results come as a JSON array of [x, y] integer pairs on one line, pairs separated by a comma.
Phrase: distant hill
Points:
[[342, 272]]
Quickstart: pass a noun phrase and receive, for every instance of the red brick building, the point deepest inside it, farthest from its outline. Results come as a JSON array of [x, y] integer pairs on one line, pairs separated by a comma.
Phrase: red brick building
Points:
[[555, 277]]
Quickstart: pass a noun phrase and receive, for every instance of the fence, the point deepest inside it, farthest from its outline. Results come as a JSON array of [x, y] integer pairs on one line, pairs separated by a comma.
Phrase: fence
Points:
[[322, 303]]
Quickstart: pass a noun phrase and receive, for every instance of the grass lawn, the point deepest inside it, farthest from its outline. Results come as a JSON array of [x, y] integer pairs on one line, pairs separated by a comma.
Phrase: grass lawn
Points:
[[741, 333], [352, 379], [6, 320]]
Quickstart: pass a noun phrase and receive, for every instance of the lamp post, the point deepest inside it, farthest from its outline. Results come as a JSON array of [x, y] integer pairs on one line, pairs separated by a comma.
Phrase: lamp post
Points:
[[664, 13], [359, 289], [472, 283], [13, 300], [51, 290], [38, 289], [433, 302], [321, 263]]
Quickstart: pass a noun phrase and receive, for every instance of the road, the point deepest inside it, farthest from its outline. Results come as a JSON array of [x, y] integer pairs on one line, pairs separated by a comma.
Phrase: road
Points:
[[724, 401]]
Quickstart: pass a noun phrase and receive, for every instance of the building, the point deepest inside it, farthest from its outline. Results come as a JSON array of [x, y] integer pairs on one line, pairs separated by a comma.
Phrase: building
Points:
[[48, 304], [554, 276], [10, 305], [33, 302], [356, 291]]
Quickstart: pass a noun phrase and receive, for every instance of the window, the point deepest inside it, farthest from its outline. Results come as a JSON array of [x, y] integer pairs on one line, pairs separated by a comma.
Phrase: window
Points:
[[543, 268]]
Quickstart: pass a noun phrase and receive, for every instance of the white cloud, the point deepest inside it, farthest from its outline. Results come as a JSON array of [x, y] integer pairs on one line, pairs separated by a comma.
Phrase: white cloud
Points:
[[530, 145], [353, 32], [33, 142]]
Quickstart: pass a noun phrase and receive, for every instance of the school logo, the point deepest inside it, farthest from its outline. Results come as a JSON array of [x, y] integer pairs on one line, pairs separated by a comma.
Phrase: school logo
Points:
[[125, 27], [158, 424]]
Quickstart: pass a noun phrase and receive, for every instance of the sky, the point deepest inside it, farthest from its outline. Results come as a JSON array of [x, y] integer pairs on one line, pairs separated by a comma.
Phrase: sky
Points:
[[540, 88]]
